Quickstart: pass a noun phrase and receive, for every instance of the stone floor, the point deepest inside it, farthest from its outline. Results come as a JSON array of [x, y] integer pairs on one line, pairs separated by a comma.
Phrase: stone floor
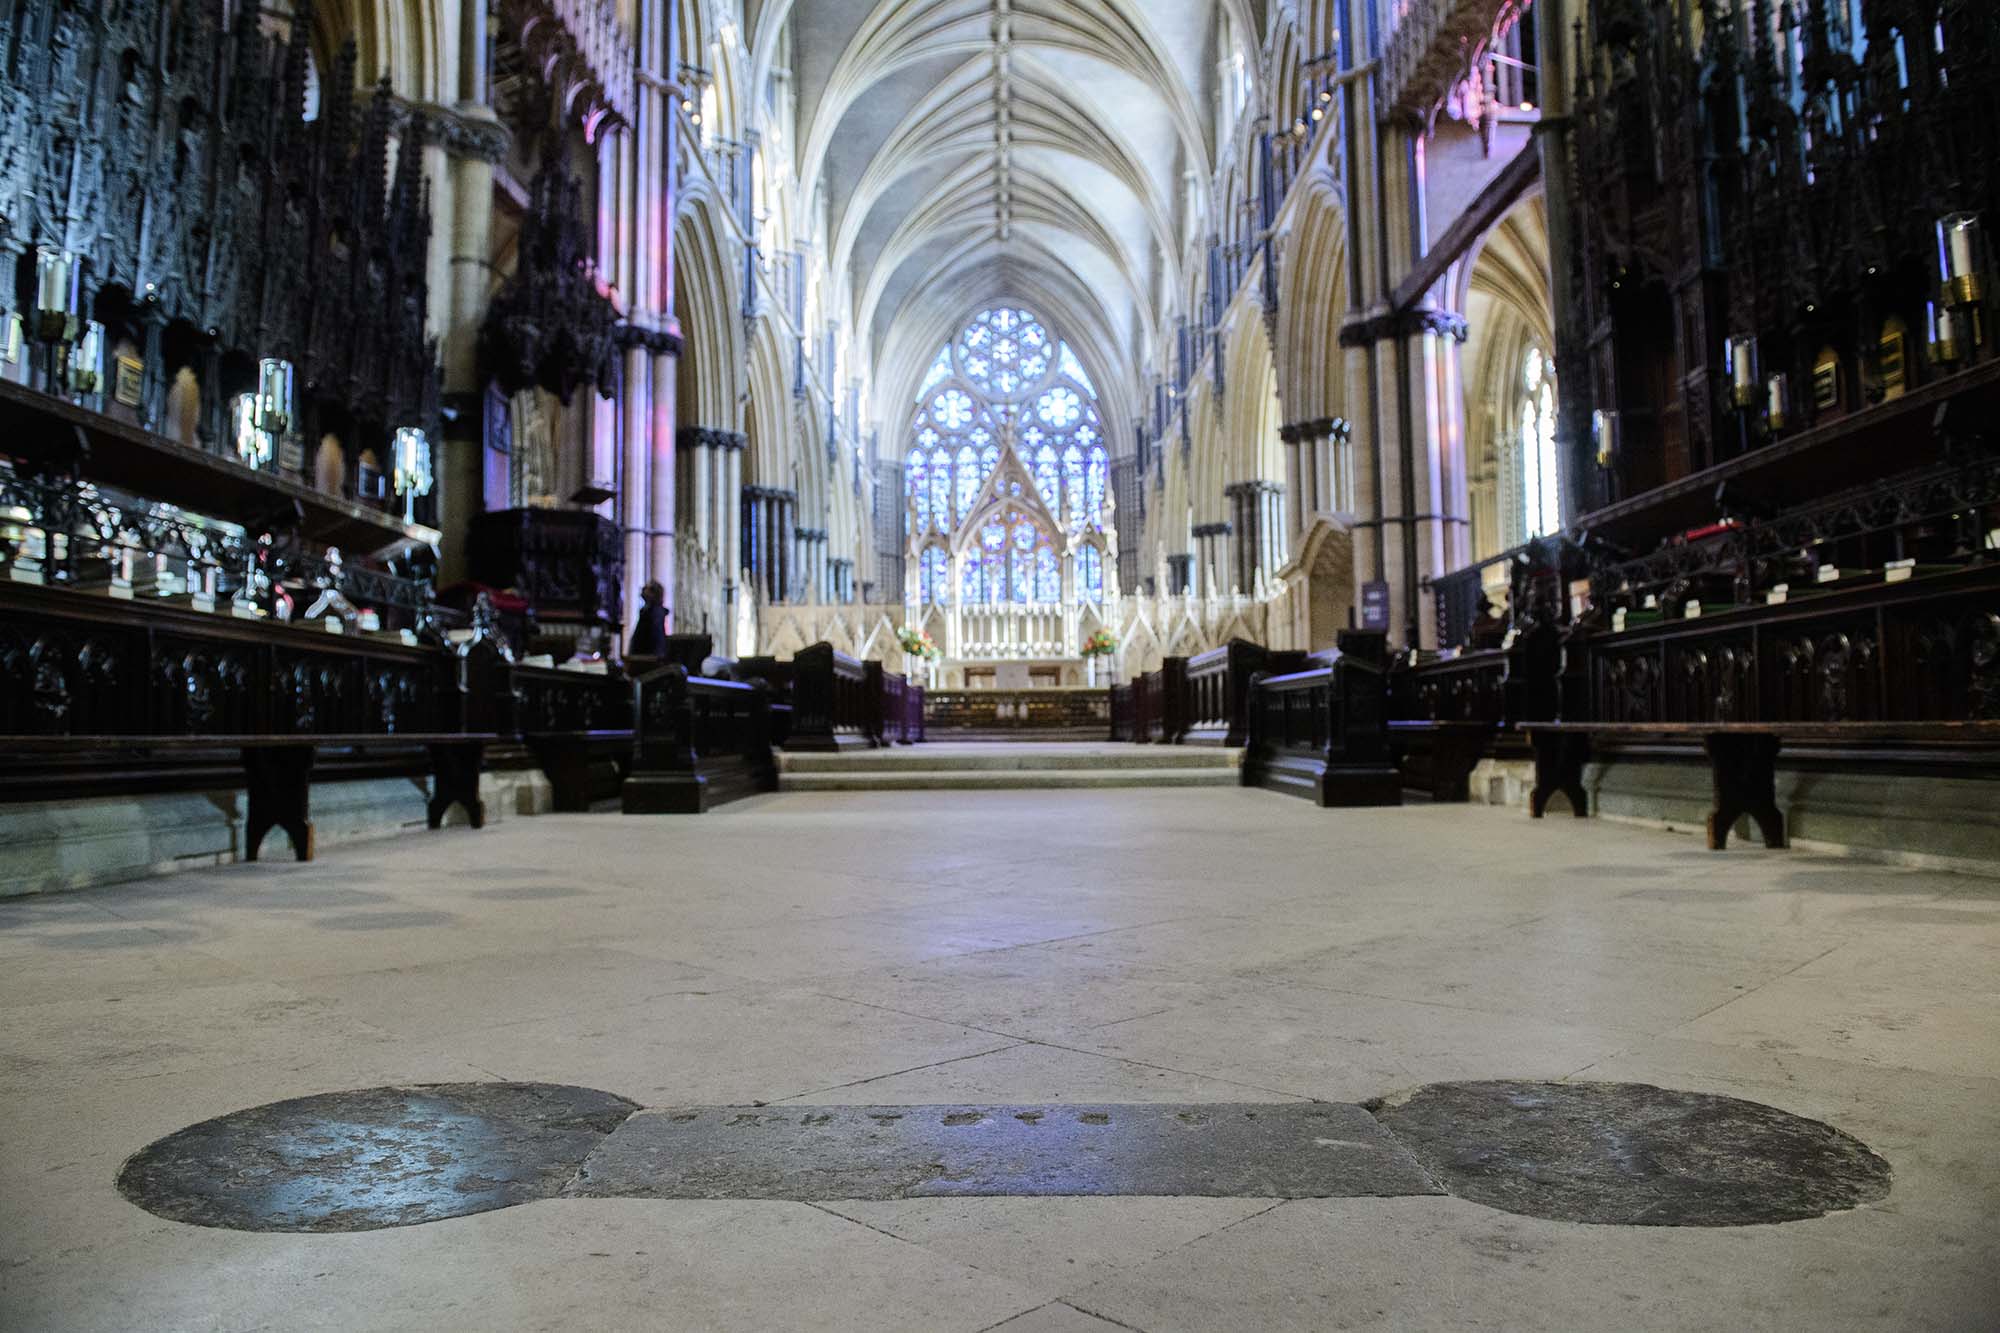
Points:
[[1008, 947]]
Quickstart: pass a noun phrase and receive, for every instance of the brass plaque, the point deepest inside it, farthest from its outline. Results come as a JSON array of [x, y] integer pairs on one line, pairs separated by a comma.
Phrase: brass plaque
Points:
[[1891, 360], [1826, 381], [128, 378]]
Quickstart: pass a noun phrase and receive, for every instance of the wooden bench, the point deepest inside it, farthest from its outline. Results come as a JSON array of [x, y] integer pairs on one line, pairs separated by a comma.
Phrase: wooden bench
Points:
[[277, 771], [1451, 751], [1742, 759]]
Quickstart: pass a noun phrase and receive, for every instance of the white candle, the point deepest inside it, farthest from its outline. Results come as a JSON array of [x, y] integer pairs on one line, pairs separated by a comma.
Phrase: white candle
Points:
[[1961, 232], [52, 268]]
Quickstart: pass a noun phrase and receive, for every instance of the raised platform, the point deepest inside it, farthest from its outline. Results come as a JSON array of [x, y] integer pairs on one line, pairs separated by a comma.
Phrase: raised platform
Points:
[[1017, 765]]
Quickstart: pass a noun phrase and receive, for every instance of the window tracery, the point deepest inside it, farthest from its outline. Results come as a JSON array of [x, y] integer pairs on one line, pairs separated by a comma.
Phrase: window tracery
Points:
[[1004, 387]]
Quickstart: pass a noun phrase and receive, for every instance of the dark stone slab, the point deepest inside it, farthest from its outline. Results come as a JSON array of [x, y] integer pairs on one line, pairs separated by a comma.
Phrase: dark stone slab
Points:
[[1287, 1151], [1633, 1155], [380, 1157]]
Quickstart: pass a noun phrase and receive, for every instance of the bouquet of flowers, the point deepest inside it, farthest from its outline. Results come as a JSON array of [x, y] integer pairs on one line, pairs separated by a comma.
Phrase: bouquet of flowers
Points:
[[1100, 644], [917, 643]]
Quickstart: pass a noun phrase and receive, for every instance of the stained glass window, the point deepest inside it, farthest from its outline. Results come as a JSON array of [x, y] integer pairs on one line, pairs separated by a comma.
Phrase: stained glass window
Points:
[[936, 575], [968, 481], [1048, 574], [920, 493], [1541, 493], [1090, 575], [1004, 388]]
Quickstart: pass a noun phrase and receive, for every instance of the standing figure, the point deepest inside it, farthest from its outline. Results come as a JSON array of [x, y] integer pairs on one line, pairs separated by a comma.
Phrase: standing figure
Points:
[[649, 632]]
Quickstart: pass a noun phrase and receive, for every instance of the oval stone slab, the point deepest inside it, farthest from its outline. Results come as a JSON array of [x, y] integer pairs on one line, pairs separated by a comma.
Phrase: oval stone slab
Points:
[[1631, 1154], [377, 1157]]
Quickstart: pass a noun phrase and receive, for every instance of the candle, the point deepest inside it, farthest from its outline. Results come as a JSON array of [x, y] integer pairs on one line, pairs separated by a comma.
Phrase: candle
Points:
[[1742, 361], [1958, 243], [1778, 400], [1604, 430], [253, 446], [52, 289], [274, 395], [55, 293], [1943, 324], [86, 360]]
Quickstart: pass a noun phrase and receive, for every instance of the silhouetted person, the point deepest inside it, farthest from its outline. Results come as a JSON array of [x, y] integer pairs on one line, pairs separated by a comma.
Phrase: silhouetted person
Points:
[[649, 632], [1489, 629]]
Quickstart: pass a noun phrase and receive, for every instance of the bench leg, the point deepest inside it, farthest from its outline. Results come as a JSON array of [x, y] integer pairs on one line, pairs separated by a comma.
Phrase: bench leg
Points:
[[1744, 768], [1559, 760], [277, 791], [455, 781], [1453, 757]]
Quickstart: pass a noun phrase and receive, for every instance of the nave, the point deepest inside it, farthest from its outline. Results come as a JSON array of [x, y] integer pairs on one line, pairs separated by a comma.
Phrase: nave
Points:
[[1106, 949]]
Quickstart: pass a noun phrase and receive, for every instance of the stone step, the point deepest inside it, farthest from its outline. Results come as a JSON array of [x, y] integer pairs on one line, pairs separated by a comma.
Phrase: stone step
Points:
[[1043, 779], [1001, 758]]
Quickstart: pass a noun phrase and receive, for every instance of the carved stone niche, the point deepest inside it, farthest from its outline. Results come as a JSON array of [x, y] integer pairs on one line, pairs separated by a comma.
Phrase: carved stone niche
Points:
[[569, 564]]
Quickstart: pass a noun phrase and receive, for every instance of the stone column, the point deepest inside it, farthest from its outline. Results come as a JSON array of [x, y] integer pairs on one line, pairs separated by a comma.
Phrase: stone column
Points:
[[1297, 511], [664, 516], [636, 486], [729, 518], [473, 142]]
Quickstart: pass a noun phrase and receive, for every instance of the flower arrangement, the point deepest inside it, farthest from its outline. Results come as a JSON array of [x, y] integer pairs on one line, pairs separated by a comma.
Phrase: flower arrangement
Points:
[[1100, 644], [918, 643]]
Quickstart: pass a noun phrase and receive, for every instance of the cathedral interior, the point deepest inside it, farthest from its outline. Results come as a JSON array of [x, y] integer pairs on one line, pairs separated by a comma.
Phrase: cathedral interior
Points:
[[1030, 665]]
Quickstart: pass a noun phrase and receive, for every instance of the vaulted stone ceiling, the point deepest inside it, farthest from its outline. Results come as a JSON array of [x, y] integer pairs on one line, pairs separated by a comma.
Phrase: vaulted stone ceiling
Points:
[[1041, 151]]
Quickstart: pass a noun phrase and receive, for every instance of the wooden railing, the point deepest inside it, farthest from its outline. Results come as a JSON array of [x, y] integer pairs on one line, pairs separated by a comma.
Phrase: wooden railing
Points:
[[1217, 693], [900, 704], [1322, 732]]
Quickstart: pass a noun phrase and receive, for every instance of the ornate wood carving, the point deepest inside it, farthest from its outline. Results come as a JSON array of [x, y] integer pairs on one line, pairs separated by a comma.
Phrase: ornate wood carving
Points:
[[1765, 169], [550, 324], [215, 225]]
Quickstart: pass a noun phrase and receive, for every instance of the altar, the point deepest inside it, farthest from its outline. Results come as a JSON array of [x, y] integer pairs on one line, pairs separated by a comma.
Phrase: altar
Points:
[[1046, 713]]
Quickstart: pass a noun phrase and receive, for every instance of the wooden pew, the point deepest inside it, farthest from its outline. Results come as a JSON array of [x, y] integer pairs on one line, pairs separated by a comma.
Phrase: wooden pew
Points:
[[1321, 732], [702, 743], [1449, 713], [1742, 759], [1908, 672], [276, 771]]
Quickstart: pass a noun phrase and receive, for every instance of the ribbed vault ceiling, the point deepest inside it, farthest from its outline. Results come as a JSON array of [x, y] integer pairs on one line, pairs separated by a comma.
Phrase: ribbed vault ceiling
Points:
[[980, 150]]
